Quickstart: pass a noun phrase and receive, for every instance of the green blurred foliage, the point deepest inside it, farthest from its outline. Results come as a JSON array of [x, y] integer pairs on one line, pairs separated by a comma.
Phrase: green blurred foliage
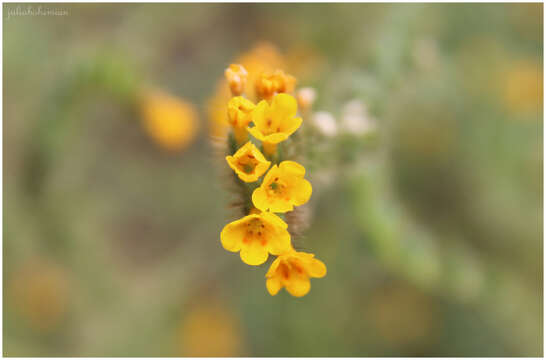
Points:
[[431, 230]]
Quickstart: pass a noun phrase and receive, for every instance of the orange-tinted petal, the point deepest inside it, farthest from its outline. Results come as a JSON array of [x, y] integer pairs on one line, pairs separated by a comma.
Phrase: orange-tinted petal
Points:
[[273, 268], [298, 285], [315, 268], [273, 285]]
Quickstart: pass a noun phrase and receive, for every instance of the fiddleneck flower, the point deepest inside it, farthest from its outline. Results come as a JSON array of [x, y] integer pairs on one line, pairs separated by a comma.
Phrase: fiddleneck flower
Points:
[[292, 271], [256, 236], [276, 122], [248, 163], [239, 113], [283, 188]]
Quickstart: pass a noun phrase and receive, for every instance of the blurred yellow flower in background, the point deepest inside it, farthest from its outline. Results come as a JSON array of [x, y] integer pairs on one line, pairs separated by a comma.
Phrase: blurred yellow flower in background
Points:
[[255, 236], [40, 291], [248, 163], [292, 271], [217, 110], [276, 122], [283, 188], [523, 90], [210, 330], [170, 121]]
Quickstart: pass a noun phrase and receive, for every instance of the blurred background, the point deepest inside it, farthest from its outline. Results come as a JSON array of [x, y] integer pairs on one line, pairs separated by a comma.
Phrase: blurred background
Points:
[[427, 180]]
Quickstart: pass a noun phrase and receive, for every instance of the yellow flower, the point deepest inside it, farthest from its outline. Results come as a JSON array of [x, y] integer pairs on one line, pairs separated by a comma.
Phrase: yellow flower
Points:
[[255, 236], [171, 122], [236, 76], [239, 116], [292, 270], [276, 122], [240, 111], [283, 188], [248, 163], [271, 83], [262, 57]]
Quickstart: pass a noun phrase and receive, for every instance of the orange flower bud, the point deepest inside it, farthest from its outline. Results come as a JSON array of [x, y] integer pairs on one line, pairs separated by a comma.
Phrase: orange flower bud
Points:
[[269, 84], [236, 76]]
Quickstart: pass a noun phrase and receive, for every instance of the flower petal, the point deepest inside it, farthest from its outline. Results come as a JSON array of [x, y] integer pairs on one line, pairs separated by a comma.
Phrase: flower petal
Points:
[[232, 236], [261, 168], [279, 205], [254, 253], [275, 138], [292, 167], [273, 285], [284, 106], [254, 131], [259, 199], [274, 220], [279, 243], [301, 191], [315, 268], [273, 268], [289, 126], [259, 114], [298, 285]]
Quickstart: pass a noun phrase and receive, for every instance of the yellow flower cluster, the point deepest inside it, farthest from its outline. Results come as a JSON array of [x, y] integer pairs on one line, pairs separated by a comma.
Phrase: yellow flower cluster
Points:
[[262, 231]]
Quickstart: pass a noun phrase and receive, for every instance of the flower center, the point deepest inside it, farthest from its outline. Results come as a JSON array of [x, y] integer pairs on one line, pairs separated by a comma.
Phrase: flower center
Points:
[[255, 231], [247, 163], [284, 270], [271, 126], [276, 188]]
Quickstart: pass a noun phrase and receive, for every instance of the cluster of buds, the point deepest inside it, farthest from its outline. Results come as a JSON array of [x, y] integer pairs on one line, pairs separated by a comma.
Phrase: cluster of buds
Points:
[[273, 185]]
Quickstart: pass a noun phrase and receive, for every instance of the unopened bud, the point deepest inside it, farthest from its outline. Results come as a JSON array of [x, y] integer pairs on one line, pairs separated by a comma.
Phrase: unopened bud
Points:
[[236, 76]]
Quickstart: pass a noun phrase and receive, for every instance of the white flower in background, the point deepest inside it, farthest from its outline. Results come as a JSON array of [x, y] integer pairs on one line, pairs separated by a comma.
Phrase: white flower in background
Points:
[[355, 118], [306, 97], [325, 123]]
